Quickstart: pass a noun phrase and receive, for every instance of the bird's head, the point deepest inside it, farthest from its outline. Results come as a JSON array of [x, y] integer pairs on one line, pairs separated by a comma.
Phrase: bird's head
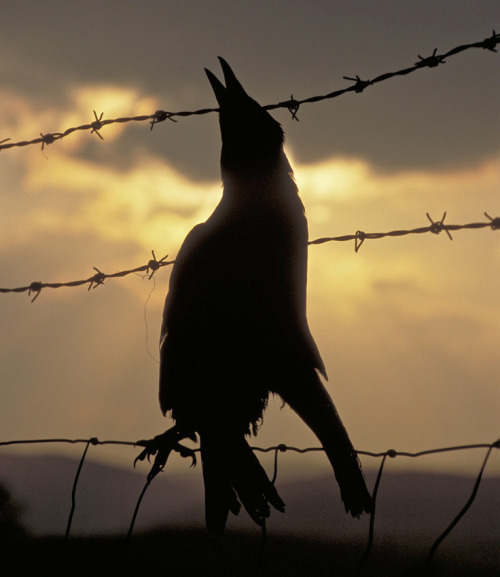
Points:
[[252, 141]]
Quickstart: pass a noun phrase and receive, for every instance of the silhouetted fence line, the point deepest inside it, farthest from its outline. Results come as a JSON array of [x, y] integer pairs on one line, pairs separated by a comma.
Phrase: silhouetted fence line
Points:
[[99, 277], [293, 105], [282, 448], [154, 264]]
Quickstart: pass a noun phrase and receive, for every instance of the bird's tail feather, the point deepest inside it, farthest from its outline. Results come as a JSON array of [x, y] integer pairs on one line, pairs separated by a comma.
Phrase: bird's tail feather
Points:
[[233, 474], [316, 408]]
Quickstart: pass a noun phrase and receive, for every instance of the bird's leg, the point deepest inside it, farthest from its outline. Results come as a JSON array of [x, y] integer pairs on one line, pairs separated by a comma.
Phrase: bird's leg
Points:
[[161, 446]]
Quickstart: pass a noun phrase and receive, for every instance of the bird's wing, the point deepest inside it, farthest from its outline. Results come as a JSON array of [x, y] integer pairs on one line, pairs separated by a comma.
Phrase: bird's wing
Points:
[[235, 311]]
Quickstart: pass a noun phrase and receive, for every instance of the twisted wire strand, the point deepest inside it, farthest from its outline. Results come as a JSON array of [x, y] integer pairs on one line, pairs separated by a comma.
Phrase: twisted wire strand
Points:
[[435, 227], [292, 104], [154, 264]]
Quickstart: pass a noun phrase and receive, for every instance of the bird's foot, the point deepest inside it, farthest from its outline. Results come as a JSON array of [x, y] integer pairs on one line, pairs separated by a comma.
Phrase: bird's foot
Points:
[[161, 446]]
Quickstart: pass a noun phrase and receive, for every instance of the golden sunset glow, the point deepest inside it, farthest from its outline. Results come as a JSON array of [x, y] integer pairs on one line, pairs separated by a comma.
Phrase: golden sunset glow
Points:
[[407, 326]]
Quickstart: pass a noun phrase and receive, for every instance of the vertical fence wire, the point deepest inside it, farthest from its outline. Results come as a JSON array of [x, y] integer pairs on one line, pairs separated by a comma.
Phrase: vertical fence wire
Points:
[[464, 510], [75, 483], [283, 448], [369, 545]]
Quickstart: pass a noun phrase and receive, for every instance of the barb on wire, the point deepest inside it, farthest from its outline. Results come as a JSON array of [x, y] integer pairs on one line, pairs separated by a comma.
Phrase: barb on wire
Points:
[[97, 125], [292, 105], [94, 281], [431, 61], [155, 264], [435, 227]]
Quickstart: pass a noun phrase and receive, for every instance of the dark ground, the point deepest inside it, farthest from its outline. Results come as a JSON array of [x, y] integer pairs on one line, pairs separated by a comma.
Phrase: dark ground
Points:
[[194, 552]]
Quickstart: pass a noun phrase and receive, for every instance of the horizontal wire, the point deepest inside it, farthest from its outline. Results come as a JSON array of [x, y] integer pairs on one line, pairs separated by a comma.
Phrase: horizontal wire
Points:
[[154, 264], [291, 104], [392, 453], [359, 237], [282, 447]]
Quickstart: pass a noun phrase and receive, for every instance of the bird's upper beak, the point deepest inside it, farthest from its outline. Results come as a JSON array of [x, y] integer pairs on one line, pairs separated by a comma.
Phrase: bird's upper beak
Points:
[[233, 86]]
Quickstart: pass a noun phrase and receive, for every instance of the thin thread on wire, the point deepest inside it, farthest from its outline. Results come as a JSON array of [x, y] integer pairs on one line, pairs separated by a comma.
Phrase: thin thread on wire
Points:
[[146, 324], [94, 281], [283, 448], [292, 104], [98, 279]]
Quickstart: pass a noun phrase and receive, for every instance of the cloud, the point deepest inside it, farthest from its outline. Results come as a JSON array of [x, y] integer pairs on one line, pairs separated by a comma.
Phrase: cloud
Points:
[[433, 118], [148, 202], [406, 326], [64, 189]]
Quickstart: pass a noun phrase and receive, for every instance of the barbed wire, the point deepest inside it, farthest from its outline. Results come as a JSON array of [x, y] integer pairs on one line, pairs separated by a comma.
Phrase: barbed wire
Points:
[[291, 104], [94, 281], [282, 448], [155, 264]]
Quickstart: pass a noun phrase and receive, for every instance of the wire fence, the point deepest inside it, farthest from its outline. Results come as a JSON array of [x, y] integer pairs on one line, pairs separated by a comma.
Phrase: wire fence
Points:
[[293, 105], [435, 227], [97, 279], [282, 448]]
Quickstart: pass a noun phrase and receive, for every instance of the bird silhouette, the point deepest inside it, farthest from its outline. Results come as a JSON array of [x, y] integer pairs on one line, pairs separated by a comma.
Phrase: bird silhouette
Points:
[[235, 329]]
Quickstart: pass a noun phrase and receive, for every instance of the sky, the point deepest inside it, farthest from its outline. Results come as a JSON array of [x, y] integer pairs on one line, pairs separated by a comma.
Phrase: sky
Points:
[[407, 326]]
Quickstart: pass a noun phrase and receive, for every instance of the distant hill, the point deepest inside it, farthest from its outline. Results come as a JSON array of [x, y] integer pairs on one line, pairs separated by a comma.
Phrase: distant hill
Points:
[[106, 496], [410, 507]]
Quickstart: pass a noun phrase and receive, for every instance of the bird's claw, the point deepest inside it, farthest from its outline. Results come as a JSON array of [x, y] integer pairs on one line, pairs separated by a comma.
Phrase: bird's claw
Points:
[[160, 447], [185, 452]]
